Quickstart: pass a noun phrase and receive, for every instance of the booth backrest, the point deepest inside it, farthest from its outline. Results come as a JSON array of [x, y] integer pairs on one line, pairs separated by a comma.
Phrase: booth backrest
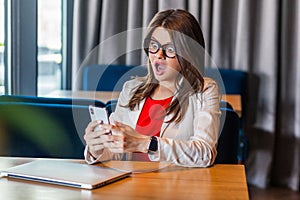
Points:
[[234, 81], [50, 100], [43, 130], [109, 77], [228, 142]]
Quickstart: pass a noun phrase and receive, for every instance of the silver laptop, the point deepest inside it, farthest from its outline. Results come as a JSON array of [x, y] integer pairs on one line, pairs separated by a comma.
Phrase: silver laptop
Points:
[[65, 173]]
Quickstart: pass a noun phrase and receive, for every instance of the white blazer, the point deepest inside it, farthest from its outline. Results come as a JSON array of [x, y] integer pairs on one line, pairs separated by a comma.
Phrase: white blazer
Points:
[[191, 143]]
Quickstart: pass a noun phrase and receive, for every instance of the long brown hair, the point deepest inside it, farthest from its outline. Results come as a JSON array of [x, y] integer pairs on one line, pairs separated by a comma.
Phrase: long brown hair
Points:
[[187, 37]]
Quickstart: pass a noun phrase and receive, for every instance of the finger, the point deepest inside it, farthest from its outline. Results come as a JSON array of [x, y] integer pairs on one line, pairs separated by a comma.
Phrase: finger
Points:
[[98, 125], [94, 148], [95, 141], [115, 130], [121, 125], [94, 135], [107, 126], [101, 138], [113, 146], [118, 132], [117, 140], [92, 125], [124, 128], [119, 150], [107, 138]]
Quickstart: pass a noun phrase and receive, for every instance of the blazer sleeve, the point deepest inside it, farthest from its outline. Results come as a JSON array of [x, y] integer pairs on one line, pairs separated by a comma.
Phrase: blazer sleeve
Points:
[[120, 115]]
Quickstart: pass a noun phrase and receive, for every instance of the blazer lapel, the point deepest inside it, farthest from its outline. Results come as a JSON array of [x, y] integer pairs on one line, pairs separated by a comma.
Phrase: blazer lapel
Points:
[[166, 119], [134, 115]]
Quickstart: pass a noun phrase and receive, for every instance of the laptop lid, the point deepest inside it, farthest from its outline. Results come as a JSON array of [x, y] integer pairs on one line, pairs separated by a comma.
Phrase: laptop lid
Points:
[[65, 173]]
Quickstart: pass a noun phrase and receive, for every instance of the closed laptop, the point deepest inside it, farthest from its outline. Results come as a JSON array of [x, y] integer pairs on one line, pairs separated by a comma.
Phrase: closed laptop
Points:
[[65, 173]]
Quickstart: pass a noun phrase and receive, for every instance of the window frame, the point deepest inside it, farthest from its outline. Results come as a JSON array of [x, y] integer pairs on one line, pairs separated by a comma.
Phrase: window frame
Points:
[[22, 47], [67, 40], [21, 50]]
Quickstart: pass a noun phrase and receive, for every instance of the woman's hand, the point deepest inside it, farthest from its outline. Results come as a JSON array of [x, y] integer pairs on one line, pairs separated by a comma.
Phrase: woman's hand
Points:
[[95, 140], [125, 139]]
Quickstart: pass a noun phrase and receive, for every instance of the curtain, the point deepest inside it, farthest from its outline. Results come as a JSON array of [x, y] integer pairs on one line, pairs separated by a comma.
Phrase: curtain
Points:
[[257, 36]]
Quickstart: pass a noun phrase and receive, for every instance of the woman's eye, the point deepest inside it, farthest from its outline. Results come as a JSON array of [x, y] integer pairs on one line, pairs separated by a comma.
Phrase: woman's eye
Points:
[[171, 49], [154, 45]]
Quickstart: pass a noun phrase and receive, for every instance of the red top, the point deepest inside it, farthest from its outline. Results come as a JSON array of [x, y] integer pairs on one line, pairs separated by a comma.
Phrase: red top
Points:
[[151, 119]]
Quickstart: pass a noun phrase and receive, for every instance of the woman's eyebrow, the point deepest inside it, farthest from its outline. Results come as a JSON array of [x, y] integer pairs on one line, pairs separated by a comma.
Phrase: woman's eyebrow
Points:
[[153, 38]]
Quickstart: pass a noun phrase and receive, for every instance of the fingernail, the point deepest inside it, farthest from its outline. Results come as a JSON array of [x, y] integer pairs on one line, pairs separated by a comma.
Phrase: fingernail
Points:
[[100, 122]]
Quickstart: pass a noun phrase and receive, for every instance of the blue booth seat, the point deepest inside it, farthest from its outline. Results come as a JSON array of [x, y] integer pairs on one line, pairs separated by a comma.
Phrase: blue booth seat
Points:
[[43, 129], [228, 142], [234, 82], [109, 77]]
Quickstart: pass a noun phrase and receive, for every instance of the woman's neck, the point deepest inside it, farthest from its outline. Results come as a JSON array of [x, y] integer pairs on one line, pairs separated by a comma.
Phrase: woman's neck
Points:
[[162, 92]]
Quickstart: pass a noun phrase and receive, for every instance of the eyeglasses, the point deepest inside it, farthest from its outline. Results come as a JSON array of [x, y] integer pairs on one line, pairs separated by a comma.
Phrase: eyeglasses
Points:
[[167, 49]]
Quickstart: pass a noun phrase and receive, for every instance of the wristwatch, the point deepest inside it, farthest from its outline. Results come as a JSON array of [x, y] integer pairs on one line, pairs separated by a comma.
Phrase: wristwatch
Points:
[[153, 145]]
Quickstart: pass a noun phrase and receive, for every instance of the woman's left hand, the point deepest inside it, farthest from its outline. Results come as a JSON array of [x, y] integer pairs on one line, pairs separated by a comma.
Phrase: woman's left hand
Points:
[[125, 139]]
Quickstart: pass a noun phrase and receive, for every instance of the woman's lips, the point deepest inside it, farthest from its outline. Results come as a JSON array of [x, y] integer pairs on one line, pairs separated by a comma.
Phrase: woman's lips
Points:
[[159, 68]]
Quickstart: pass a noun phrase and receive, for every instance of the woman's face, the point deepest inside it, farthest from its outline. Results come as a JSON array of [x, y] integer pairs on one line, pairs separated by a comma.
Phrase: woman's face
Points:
[[162, 56]]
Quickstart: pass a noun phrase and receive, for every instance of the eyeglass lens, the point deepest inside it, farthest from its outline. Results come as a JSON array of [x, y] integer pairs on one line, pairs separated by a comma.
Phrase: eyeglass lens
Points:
[[168, 49]]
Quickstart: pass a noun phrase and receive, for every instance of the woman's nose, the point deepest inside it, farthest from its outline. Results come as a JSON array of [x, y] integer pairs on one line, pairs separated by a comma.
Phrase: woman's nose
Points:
[[160, 53]]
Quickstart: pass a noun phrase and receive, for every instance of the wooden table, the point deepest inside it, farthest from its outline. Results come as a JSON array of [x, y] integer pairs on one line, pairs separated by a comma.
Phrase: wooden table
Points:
[[80, 94], [172, 182], [233, 99]]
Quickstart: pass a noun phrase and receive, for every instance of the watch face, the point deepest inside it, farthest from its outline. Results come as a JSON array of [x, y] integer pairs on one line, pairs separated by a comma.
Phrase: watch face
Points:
[[153, 145]]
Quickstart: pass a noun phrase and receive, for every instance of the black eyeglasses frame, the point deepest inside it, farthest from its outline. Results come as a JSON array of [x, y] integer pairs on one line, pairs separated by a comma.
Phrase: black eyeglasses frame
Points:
[[162, 47]]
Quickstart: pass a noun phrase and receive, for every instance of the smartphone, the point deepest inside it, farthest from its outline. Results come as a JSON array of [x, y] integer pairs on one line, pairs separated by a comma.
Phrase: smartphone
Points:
[[97, 113]]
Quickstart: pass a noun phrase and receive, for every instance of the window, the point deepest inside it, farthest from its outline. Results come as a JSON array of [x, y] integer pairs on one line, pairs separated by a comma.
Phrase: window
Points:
[[36, 31], [2, 31], [49, 46]]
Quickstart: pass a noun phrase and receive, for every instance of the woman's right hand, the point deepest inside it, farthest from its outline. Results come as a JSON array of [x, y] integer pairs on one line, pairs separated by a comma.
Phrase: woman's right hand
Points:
[[95, 139]]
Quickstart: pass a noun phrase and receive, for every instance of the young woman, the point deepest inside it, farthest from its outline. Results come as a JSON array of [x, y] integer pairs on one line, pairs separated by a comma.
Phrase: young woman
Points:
[[170, 115]]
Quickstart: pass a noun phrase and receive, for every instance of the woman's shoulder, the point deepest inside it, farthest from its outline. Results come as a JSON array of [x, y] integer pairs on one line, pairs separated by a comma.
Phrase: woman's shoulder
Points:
[[128, 90], [132, 84], [210, 94], [209, 83], [210, 89]]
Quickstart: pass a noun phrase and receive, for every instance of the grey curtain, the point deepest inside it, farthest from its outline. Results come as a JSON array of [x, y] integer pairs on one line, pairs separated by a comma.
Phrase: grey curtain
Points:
[[261, 37]]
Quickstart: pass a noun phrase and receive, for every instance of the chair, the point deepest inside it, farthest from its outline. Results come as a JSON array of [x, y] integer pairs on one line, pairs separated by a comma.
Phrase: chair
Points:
[[234, 82], [228, 141], [43, 129], [109, 77], [225, 104]]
